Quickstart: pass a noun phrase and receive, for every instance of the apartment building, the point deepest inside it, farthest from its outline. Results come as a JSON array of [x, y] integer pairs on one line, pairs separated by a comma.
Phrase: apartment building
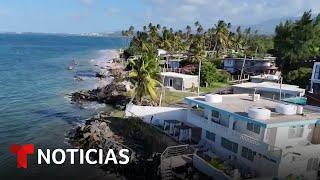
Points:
[[314, 94], [258, 135]]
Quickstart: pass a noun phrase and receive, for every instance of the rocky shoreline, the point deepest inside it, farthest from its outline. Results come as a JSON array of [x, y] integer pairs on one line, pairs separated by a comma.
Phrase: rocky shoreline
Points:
[[106, 131], [144, 142], [114, 94]]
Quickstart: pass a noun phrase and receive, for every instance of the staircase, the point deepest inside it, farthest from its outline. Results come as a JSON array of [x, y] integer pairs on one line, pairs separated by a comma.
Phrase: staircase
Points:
[[171, 158]]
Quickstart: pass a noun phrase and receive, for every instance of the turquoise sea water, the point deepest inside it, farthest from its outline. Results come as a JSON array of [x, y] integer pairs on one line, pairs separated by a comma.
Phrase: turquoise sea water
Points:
[[34, 107]]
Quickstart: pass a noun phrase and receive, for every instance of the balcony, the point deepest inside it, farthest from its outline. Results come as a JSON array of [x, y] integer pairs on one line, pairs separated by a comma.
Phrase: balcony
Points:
[[198, 119]]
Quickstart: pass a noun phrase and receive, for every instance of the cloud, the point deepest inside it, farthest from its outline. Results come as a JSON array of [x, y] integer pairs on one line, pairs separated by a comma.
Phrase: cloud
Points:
[[244, 12]]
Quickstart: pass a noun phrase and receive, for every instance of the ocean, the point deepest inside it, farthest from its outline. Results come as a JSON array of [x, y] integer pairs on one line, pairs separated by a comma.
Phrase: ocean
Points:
[[34, 104]]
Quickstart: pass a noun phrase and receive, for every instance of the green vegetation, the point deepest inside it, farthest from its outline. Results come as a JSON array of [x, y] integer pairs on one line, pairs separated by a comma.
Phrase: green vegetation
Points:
[[295, 43], [217, 163], [219, 39], [145, 75], [213, 87], [211, 75], [174, 97], [300, 76]]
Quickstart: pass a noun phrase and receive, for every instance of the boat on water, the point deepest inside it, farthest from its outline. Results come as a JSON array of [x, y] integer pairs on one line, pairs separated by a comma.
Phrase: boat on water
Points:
[[313, 96]]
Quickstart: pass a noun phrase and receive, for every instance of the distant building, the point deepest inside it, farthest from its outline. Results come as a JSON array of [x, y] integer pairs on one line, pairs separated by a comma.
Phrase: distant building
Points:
[[260, 137], [314, 94], [179, 81], [269, 89], [251, 66], [170, 61], [162, 52], [265, 78]]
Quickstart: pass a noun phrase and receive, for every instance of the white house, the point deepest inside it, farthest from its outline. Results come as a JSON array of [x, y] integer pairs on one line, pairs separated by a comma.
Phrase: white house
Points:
[[315, 79], [179, 81], [259, 136]]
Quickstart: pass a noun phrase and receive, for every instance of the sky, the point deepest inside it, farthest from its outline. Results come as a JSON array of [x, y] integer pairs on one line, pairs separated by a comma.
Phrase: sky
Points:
[[81, 16]]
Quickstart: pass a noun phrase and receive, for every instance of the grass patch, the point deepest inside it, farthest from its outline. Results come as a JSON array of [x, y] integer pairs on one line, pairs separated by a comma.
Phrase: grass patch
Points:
[[217, 163], [174, 97], [213, 87]]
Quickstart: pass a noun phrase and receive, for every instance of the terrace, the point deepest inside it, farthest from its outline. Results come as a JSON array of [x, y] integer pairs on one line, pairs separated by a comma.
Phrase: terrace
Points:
[[238, 105]]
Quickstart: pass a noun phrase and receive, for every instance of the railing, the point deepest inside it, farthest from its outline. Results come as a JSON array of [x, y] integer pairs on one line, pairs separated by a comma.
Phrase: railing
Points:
[[177, 151], [236, 136]]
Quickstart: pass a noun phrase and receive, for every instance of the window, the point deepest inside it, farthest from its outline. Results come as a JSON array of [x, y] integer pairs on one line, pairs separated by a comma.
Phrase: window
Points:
[[215, 116], [210, 136], [295, 131], [248, 153], [317, 72], [253, 127], [231, 146], [316, 87], [170, 82]]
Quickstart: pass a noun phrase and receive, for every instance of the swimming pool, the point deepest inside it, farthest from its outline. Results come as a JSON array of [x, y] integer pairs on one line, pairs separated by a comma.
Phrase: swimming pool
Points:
[[296, 100]]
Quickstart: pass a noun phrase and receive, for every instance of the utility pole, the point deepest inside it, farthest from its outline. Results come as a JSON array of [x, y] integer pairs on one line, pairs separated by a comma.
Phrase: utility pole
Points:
[[280, 92], [243, 64], [199, 71], [163, 91]]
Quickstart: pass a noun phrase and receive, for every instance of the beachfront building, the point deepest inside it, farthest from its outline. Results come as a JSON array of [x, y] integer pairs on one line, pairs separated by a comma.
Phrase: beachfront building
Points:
[[269, 89], [261, 137], [179, 81], [314, 94], [251, 66]]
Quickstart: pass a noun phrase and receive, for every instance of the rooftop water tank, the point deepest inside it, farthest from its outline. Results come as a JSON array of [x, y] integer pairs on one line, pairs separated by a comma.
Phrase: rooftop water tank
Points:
[[286, 109], [213, 98], [259, 113]]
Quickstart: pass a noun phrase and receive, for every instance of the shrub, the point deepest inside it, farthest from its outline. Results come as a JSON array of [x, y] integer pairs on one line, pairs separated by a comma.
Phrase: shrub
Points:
[[299, 77], [210, 74]]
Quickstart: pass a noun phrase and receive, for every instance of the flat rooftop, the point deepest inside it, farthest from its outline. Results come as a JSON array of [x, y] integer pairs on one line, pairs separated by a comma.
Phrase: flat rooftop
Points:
[[271, 86], [251, 59], [178, 75], [240, 103]]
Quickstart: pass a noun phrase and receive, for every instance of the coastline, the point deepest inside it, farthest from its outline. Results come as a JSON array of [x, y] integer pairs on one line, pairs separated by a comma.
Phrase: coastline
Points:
[[111, 130], [102, 65]]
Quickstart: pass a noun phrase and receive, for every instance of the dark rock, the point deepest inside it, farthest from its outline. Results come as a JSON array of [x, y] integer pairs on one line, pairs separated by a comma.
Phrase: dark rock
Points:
[[114, 94]]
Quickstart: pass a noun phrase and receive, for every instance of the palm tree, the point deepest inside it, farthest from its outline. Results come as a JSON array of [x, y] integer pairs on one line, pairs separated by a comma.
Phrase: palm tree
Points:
[[128, 33], [188, 28], [197, 23], [158, 26], [237, 40], [145, 75], [221, 36]]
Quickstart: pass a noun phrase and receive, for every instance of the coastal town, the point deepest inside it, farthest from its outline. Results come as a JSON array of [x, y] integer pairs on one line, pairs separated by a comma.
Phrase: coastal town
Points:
[[226, 105]]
